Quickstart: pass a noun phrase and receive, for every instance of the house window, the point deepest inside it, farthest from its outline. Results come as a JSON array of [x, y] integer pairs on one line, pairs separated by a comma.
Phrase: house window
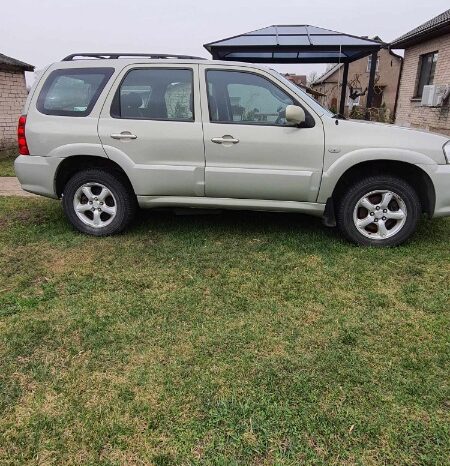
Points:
[[427, 67], [369, 63]]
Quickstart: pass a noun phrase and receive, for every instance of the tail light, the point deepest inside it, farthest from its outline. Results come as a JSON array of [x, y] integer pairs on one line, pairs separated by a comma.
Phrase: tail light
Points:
[[21, 138]]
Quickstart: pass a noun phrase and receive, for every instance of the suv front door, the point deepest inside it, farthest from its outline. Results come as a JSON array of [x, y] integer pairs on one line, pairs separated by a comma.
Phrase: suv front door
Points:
[[151, 126], [251, 151]]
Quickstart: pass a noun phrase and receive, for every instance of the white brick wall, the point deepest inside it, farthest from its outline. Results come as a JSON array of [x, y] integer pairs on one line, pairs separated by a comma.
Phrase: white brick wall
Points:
[[409, 111], [13, 93]]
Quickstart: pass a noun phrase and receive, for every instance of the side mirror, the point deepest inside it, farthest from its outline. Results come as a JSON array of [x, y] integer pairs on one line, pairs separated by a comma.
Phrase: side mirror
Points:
[[295, 114]]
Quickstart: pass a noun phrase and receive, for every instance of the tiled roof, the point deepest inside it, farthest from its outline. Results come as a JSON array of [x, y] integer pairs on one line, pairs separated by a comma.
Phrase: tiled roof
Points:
[[296, 78], [13, 63], [433, 27], [327, 74]]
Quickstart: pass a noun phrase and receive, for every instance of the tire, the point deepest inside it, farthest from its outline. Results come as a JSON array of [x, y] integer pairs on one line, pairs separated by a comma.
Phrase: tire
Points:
[[379, 211], [99, 203]]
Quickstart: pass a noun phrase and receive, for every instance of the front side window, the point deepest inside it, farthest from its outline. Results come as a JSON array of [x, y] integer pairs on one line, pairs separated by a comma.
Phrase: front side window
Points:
[[427, 67], [72, 91], [305, 97], [155, 94], [245, 98]]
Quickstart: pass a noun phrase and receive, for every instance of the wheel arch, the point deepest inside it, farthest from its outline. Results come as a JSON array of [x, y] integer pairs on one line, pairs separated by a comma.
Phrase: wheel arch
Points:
[[75, 163], [409, 172]]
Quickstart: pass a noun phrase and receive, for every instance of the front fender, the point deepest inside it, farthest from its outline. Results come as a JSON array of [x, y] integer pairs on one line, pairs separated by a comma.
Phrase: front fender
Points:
[[337, 168]]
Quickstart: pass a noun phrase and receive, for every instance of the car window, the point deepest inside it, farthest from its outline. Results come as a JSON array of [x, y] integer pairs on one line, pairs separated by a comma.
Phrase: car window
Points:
[[246, 98], [155, 94], [72, 92], [313, 103]]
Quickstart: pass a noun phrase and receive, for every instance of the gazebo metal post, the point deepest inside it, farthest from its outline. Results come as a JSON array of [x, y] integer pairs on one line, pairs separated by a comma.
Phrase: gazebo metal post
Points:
[[370, 90], [343, 89]]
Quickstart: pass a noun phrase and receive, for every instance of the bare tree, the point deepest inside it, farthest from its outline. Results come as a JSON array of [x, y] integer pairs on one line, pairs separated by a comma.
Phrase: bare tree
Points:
[[312, 77]]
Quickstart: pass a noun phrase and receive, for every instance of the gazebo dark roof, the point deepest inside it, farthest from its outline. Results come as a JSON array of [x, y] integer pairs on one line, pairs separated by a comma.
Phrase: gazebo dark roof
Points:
[[293, 44]]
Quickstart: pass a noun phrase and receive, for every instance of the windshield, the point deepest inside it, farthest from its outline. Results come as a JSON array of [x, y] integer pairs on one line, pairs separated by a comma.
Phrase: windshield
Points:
[[313, 103]]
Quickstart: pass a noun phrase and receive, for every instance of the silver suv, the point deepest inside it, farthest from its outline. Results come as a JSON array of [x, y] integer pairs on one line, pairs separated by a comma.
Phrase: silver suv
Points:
[[109, 132]]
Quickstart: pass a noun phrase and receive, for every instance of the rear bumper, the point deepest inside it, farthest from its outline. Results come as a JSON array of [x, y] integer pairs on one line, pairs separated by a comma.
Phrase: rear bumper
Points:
[[37, 174]]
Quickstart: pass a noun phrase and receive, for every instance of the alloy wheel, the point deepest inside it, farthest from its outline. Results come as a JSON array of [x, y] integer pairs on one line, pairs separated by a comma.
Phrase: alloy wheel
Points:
[[380, 214], [95, 205]]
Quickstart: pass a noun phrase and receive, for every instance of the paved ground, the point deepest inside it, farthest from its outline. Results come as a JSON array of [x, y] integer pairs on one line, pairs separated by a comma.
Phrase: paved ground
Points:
[[10, 186]]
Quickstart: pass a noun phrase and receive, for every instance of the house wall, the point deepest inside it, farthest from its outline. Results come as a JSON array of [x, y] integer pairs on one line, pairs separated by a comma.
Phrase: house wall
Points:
[[410, 111], [358, 76], [13, 94], [331, 91]]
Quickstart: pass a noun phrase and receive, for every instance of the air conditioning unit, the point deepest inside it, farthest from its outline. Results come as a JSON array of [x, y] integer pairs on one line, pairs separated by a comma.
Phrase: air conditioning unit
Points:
[[433, 95]]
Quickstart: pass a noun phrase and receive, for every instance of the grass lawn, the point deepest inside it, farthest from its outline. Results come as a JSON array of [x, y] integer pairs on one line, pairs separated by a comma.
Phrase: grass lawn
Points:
[[7, 162], [232, 339]]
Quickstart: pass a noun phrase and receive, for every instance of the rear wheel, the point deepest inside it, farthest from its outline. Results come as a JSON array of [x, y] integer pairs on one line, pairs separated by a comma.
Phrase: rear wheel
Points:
[[98, 203], [379, 211]]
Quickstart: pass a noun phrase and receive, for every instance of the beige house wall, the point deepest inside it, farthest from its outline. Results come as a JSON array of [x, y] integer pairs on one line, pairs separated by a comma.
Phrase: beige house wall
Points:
[[358, 76], [13, 93], [410, 112]]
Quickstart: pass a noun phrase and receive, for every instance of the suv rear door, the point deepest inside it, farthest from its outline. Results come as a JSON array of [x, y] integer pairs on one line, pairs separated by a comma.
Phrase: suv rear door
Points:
[[151, 126], [250, 151]]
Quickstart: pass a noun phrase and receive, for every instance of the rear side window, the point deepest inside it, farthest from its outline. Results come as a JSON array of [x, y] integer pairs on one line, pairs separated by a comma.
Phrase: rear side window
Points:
[[155, 94], [72, 91]]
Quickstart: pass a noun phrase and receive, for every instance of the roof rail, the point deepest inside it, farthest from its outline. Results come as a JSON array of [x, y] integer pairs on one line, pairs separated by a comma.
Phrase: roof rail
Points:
[[73, 56]]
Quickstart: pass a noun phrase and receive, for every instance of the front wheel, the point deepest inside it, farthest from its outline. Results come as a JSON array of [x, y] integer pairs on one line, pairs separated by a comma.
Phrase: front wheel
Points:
[[98, 203], [379, 211]]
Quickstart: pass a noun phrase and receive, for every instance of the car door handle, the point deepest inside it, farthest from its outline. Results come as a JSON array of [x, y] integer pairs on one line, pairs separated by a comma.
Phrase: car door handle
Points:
[[227, 139], [123, 135]]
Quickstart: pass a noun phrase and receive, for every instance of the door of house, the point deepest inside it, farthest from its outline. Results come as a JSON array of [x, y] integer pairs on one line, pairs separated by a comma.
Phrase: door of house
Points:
[[377, 99], [334, 104]]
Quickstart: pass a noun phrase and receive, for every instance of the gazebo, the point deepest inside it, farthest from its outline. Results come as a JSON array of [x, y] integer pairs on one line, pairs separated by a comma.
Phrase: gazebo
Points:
[[300, 44]]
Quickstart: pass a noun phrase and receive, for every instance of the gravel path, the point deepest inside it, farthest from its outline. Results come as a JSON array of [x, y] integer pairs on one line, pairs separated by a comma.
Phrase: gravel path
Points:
[[10, 186]]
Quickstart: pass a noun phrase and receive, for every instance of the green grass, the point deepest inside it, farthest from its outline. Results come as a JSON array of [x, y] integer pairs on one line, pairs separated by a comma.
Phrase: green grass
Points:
[[232, 339], [7, 162]]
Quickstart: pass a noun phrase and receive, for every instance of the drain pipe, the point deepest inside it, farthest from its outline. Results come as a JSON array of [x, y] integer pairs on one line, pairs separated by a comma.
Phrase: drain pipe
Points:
[[398, 83]]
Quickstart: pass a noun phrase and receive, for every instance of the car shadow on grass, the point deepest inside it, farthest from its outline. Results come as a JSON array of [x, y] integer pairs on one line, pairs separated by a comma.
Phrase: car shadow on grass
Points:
[[275, 225], [47, 215], [241, 224]]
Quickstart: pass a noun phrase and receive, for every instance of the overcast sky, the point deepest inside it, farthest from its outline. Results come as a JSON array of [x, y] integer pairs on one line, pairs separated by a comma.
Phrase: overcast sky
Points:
[[40, 32]]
